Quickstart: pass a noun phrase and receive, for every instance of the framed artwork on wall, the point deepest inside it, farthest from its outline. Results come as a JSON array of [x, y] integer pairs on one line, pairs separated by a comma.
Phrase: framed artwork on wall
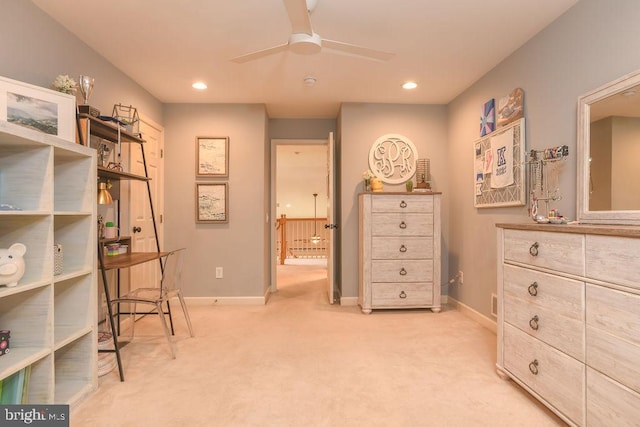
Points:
[[499, 167], [38, 108], [212, 157], [212, 202]]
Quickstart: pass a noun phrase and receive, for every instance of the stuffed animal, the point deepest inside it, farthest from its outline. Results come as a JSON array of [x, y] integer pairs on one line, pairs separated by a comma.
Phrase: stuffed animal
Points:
[[12, 264]]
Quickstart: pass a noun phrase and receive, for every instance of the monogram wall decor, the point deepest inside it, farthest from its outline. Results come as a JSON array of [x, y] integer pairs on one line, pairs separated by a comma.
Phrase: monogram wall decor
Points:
[[392, 158]]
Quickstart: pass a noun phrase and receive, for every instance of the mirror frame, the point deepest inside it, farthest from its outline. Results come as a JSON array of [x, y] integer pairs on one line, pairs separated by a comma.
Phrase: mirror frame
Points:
[[583, 214]]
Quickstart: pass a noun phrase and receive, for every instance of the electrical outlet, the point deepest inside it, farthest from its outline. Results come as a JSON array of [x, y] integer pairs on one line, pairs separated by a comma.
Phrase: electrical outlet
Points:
[[218, 272]]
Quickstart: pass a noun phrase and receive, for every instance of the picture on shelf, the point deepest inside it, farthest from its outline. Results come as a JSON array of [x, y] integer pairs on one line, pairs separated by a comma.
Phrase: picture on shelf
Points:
[[32, 113], [33, 107]]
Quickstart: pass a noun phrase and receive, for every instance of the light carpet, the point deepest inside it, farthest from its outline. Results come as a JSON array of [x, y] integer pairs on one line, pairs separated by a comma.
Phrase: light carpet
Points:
[[298, 361]]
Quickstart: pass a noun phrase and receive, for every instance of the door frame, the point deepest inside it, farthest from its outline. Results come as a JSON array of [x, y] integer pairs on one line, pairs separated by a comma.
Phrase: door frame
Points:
[[273, 192]]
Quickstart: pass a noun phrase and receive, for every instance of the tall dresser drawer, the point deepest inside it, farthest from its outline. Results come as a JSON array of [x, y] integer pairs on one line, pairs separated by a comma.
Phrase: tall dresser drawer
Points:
[[613, 334], [609, 403], [402, 224], [614, 260], [393, 295], [402, 271], [548, 307], [556, 251], [402, 248], [402, 203], [556, 377]]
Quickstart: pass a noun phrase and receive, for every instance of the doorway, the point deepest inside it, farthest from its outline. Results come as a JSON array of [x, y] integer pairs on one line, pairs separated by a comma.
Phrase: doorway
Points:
[[299, 210]]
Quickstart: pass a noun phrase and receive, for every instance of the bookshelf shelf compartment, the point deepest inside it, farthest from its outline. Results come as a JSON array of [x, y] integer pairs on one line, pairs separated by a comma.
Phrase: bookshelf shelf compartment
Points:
[[52, 318]]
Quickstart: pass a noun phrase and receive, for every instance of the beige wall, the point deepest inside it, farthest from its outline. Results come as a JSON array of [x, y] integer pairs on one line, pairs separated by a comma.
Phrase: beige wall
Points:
[[240, 246], [594, 42], [361, 125], [35, 49]]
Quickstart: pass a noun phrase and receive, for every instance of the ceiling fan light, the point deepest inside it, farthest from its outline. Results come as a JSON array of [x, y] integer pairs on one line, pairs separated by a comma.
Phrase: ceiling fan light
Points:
[[305, 44]]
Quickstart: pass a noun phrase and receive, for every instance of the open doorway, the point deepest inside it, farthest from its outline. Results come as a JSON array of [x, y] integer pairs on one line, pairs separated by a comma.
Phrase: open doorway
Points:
[[299, 194]]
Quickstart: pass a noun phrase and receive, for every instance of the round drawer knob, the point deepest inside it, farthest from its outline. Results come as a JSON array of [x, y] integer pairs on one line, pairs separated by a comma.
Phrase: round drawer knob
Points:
[[403, 248], [533, 367], [533, 289], [403, 225], [403, 272], [402, 295], [533, 250], [403, 204], [533, 323]]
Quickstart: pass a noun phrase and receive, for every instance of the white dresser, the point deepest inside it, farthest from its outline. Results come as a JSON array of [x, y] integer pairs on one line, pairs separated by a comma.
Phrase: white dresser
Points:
[[399, 251], [569, 318]]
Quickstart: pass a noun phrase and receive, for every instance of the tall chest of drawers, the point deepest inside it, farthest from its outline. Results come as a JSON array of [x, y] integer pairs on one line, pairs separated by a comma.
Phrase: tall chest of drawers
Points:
[[569, 318], [399, 251]]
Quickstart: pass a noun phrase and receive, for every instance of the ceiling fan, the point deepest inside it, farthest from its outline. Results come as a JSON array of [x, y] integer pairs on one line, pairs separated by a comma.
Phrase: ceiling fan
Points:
[[304, 41]]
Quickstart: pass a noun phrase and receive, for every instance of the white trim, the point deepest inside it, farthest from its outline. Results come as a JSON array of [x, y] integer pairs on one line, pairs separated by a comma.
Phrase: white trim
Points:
[[348, 301], [225, 300], [473, 314]]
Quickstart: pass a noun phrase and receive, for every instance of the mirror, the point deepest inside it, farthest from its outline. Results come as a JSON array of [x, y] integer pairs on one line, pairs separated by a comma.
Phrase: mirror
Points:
[[608, 182]]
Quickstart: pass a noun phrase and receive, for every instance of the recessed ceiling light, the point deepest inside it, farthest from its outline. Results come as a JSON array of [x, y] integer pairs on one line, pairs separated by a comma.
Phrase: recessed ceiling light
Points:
[[310, 81], [410, 85], [199, 85]]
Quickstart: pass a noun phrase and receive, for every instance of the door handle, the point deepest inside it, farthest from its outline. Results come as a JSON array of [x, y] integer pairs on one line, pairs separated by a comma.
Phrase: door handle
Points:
[[331, 226], [137, 229]]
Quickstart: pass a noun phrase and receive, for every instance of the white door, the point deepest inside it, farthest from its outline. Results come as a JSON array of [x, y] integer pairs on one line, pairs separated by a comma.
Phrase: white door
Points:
[[140, 220], [330, 218]]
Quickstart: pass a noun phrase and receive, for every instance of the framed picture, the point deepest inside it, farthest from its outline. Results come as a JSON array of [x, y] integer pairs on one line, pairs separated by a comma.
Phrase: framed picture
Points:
[[499, 167], [212, 202], [212, 156], [38, 108]]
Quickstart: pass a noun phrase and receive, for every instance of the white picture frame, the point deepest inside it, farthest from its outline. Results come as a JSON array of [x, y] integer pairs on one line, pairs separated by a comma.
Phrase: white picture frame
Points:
[[38, 108]]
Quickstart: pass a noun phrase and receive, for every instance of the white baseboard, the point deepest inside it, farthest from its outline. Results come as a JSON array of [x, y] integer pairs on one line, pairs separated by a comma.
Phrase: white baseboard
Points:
[[348, 301], [474, 315], [226, 300]]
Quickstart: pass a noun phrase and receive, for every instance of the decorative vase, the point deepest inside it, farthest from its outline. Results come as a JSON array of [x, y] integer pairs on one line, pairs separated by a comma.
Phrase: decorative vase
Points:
[[376, 185], [409, 185]]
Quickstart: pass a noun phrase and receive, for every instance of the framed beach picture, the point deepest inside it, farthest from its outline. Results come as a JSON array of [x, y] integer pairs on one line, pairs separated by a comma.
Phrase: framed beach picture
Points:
[[212, 156], [212, 202], [38, 108]]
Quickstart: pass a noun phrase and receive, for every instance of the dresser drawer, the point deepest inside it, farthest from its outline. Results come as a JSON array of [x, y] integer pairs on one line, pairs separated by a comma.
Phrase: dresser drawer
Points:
[[557, 251], [548, 307], [402, 248], [402, 271], [402, 224], [402, 203], [614, 260], [556, 377], [392, 295], [609, 403], [613, 334]]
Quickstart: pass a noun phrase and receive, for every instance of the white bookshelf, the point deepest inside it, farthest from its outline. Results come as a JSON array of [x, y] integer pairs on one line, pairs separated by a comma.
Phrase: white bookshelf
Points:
[[52, 318]]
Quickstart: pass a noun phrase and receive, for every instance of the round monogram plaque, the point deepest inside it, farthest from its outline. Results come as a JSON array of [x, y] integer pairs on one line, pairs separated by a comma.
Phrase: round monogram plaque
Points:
[[392, 158]]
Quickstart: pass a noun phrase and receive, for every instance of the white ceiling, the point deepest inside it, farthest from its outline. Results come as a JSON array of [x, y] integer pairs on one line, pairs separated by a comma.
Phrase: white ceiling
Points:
[[166, 45]]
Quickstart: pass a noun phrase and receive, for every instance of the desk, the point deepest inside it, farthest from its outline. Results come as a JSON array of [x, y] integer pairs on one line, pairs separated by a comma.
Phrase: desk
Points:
[[117, 262], [130, 259]]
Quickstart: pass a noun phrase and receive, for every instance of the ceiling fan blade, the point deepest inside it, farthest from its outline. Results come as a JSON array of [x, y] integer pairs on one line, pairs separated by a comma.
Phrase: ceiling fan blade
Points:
[[260, 53], [355, 50], [299, 16]]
